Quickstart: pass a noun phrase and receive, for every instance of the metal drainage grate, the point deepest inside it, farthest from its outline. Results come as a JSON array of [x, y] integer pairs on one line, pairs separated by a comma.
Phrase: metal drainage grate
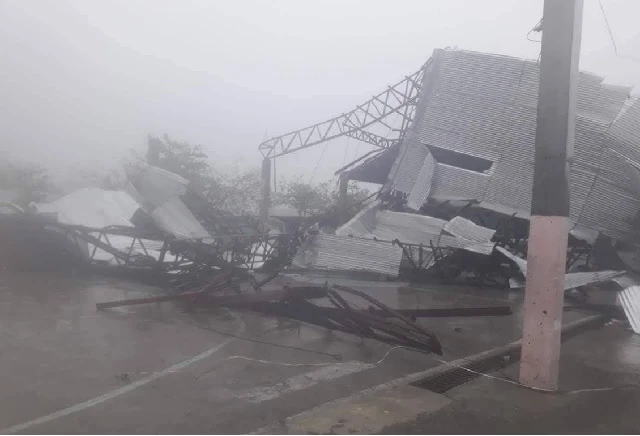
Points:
[[440, 383]]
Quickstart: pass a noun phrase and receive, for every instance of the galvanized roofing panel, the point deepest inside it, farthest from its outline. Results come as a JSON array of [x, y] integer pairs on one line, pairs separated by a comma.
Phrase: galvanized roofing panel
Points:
[[484, 105], [629, 299], [409, 162], [407, 227], [575, 280], [362, 224], [467, 229], [337, 253], [156, 185], [520, 262], [175, 218], [418, 229], [422, 186], [458, 183]]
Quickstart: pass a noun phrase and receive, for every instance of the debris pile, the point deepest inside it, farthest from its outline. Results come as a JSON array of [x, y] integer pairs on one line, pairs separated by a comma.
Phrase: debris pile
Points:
[[158, 229], [336, 308], [457, 183]]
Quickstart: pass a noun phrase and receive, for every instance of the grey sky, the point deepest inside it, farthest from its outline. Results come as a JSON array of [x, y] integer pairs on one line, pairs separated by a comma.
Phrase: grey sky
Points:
[[83, 81]]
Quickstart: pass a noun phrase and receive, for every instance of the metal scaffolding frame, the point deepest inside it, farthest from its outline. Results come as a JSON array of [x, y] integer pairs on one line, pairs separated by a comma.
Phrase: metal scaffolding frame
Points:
[[399, 99]]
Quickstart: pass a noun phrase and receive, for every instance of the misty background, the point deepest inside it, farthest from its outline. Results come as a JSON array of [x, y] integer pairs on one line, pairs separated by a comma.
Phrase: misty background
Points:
[[83, 82]]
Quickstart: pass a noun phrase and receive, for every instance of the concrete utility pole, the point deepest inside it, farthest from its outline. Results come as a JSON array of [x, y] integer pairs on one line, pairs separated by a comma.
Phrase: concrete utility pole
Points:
[[561, 30]]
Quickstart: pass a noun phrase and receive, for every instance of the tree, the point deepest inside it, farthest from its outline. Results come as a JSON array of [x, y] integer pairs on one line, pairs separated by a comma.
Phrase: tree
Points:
[[30, 182], [310, 199], [182, 158], [235, 191], [306, 198], [357, 199]]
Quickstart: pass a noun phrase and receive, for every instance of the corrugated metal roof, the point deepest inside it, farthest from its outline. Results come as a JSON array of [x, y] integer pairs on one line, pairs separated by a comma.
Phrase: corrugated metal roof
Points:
[[626, 280], [467, 229], [362, 224], [93, 207], [374, 169], [422, 186], [416, 229], [575, 280], [484, 105], [520, 262], [571, 280], [629, 299], [336, 253], [175, 218], [156, 185]]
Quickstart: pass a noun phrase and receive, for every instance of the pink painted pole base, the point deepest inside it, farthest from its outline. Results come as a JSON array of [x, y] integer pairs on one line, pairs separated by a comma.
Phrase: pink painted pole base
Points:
[[543, 301]]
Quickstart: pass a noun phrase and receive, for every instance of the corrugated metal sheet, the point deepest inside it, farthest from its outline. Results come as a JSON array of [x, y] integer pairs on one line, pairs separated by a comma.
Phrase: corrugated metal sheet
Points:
[[484, 105], [626, 280], [337, 253], [175, 218], [575, 280], [629, 299], [585, 234], [445, 241], [418, 229], [408, 164], [156, 185], [520, 262], [362, 224], [453, 183], [407, 227], [93, 207], [422, 186], [467, 229]]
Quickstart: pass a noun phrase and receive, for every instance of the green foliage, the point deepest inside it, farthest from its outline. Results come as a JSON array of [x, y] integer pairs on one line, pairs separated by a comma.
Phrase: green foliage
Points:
[[182, 158], [307, 199], [30, 182], [310, 199], [236, 191], [357, 199]]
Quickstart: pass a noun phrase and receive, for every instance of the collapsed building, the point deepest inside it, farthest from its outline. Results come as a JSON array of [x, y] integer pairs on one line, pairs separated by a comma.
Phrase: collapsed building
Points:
[[468, 144], [458, 176]]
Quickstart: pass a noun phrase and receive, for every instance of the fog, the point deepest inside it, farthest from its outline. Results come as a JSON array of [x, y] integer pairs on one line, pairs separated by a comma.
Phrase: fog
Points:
[[82, 82]]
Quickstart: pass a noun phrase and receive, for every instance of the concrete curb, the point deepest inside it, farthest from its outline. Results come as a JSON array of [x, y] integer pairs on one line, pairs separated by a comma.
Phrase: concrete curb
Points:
[[568, 329]]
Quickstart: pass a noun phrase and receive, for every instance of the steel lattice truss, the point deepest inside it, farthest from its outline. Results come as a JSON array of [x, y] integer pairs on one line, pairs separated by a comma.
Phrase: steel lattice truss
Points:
[[399, 99]]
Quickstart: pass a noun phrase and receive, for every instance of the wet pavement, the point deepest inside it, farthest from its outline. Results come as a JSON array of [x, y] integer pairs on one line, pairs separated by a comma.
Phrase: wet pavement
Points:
[[67, 368], [599, 393]]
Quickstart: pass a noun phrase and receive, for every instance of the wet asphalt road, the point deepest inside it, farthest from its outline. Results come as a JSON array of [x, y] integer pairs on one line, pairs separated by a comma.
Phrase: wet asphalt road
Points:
[[67, 368]]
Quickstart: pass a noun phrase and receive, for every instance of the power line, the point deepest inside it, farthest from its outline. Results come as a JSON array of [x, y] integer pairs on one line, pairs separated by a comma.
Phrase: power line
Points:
[[613, 40], [318, 164], [536, 28], [258, 341], [606, 22], [346, 151]]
